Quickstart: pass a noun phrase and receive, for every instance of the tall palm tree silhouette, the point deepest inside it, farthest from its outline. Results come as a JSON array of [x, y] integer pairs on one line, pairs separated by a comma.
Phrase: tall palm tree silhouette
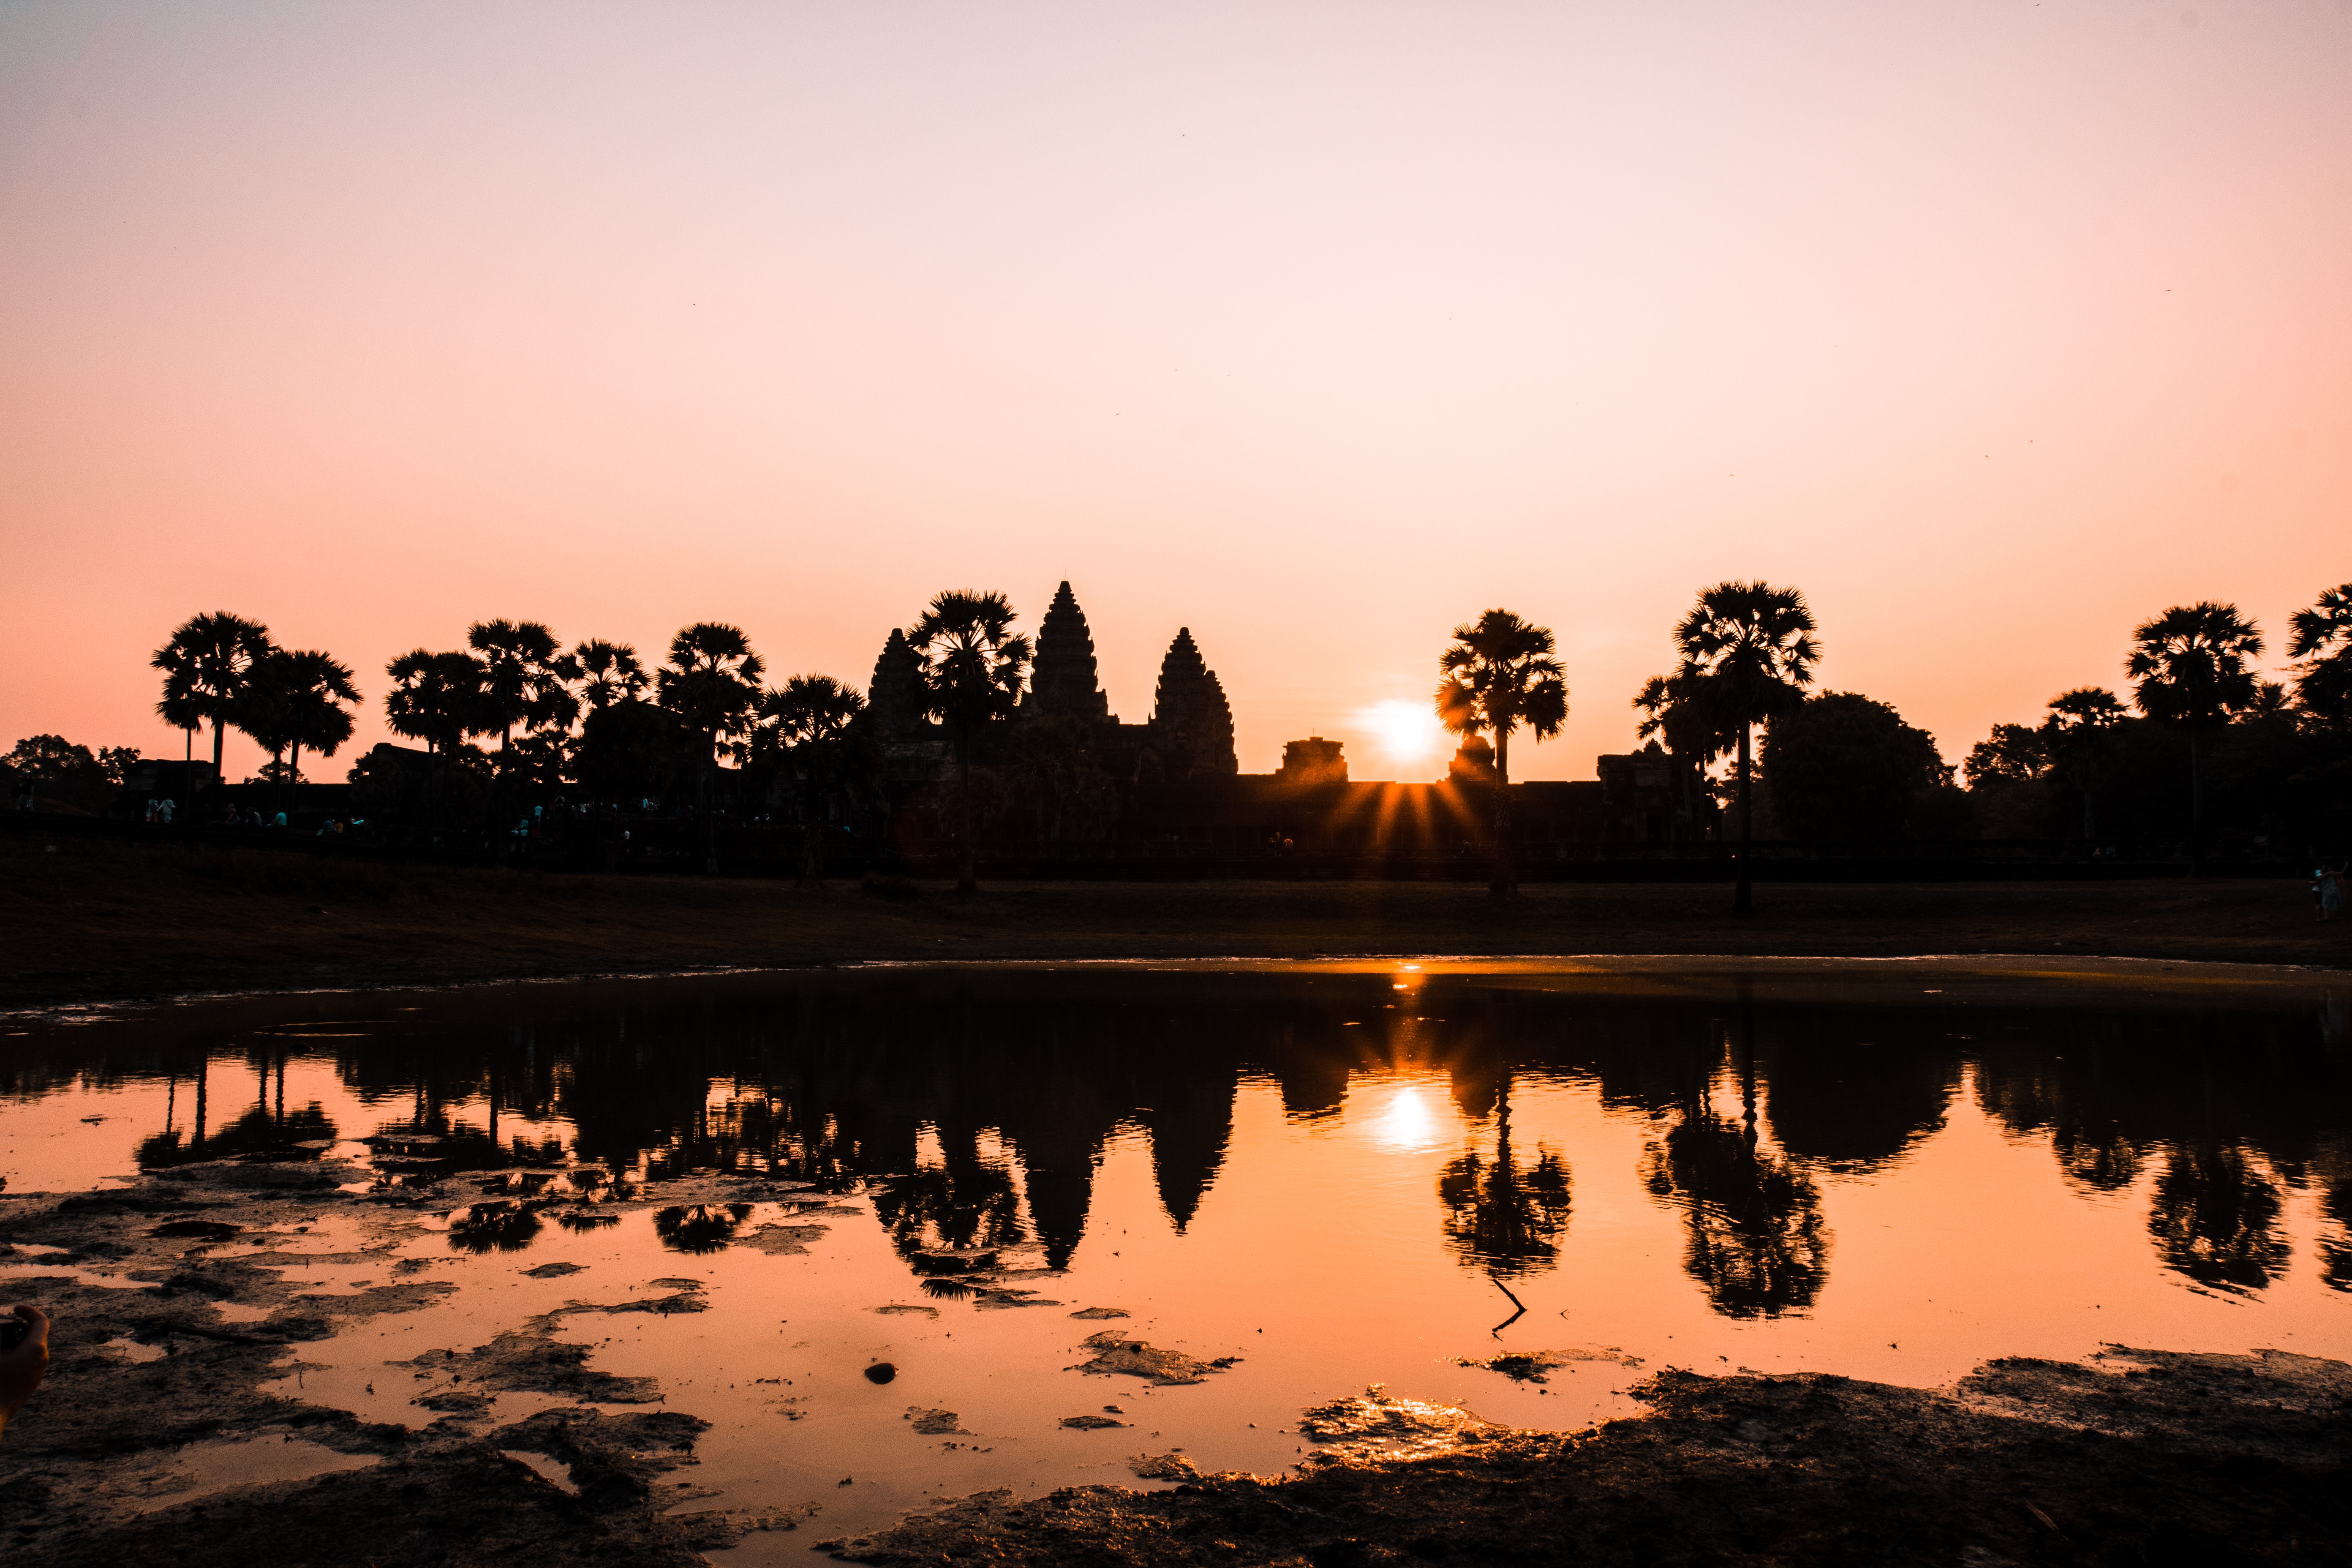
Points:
[[807, 720], [2080, 737], [608, 673], [1748, 649], [296, 699], [205, 667], [2188, 669], [711, 682], [1500, 674], [2320, 637], [973, 670], [439, 699]]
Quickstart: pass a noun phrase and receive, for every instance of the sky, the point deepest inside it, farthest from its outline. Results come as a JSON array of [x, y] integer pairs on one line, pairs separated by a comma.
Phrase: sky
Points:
[[1317, 328]]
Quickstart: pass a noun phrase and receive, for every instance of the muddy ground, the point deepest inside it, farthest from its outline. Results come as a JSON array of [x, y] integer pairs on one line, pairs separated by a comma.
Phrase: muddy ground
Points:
[[97, 921], [2139, 1457]]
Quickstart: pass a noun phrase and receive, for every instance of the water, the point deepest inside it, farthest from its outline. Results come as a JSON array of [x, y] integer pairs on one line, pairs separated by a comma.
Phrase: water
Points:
[[1338, 1174]]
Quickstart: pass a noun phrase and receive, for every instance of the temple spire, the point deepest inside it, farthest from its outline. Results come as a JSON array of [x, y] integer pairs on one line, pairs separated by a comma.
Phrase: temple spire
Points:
[[1191, 723], [1064, 679]]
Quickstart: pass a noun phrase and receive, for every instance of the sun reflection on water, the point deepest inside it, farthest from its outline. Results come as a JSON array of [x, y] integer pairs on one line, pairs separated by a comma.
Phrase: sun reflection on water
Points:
[[1406, 1122]]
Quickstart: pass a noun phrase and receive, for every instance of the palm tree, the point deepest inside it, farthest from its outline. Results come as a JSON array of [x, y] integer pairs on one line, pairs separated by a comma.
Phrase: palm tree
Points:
[[972, 666], [526, 684], [2079, 735], [711, 681], [205, 665], [2188, 669], [1500, 674], [1674, 710], [316, 687], [292, 700], [608, 673], [1748, 652], [2320, 637], [808, 720], [181, 709], [439, 699]]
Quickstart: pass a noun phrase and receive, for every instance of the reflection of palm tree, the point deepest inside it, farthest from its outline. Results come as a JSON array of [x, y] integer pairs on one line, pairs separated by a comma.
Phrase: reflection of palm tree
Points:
[[2336, 1250], [2216, 1219], [1501, 1216], [1757, 1241], [1500, 674], [1747, 653], [964, 1204], [502, 1225], [699, 1227], [973, 670]]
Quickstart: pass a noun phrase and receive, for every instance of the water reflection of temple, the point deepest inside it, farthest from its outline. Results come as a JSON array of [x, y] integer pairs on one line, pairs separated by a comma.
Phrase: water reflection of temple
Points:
[[980, 1110]]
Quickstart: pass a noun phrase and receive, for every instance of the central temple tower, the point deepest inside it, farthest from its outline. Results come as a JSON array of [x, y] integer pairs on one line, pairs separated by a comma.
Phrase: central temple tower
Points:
[[1063, 681]]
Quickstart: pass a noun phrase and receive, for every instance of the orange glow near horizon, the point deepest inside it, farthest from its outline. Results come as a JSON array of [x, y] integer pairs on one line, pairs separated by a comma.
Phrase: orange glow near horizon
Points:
[[1317, 328]]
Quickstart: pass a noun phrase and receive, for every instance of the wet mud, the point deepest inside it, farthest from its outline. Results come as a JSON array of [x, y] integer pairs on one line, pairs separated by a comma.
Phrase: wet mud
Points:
[[174, 1428], [2141, 1458], [165, 1356]]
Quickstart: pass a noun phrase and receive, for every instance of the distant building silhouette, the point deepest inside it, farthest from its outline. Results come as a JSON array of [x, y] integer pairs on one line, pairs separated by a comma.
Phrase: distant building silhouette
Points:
[[1313, 761]]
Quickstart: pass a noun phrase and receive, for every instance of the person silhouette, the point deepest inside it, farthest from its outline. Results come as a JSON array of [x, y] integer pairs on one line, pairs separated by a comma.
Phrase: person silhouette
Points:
[[24, 1359]]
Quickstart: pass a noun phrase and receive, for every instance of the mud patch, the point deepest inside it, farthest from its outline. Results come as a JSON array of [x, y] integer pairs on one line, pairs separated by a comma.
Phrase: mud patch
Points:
[[2241, 1459], [1116, 1355], [1533, 1366]]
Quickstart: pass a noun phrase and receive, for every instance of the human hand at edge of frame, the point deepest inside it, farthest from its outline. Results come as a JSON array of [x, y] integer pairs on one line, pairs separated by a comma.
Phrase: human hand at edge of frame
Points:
[[24, 1363]]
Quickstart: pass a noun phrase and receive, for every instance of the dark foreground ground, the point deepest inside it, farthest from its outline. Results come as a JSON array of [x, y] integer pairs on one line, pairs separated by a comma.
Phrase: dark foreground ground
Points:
[[2140, 1457], [90, 921]]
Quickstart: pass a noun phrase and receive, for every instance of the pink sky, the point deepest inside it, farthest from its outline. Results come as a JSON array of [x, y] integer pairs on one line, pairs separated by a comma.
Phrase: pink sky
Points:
[[1316, 329]]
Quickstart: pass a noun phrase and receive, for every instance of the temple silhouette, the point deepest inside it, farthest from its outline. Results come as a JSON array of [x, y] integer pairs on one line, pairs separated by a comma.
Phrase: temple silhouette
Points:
[[1188, 737], [1071, 778]]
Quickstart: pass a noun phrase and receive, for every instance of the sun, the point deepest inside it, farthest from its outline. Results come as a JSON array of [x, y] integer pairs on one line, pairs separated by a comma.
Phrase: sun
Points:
[[1406, 731]]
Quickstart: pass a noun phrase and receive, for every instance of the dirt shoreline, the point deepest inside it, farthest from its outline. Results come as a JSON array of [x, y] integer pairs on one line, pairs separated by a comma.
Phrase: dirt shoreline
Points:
[[98, 922], [2136, 1457]]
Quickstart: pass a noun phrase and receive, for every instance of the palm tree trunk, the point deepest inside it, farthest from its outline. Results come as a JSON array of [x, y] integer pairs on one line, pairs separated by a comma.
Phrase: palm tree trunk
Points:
[[218, 738], [709, 802], [2196, 807], [1743, 898], [966, 881], [1502, 887], [812, 845], [293, 771]]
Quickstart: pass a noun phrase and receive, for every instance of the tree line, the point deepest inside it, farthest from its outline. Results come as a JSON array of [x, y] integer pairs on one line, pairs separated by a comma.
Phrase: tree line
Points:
[[1839, 764], [1752, 744]]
